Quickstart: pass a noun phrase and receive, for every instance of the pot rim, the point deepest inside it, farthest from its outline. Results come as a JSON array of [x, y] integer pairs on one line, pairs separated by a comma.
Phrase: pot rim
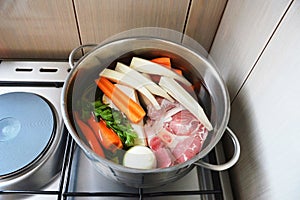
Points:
[[93, 156]]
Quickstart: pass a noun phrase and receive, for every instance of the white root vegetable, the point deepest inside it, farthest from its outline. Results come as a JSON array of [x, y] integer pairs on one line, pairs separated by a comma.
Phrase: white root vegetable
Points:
[[150, 85], [131, 82], [171, 112], [145, 101], [149, 67], [185, 99], [139, 127], [140, 157]]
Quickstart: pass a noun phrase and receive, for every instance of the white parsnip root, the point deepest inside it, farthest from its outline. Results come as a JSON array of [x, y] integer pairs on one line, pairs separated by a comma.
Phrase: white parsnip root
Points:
[[149, 67], [185, 99], [149, 84], [131, 82]]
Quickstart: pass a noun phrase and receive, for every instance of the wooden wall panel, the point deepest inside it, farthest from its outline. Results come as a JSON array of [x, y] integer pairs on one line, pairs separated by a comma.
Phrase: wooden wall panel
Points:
[[37, 29], [48, 30], [244, 31], [100, 19], [203, 21]]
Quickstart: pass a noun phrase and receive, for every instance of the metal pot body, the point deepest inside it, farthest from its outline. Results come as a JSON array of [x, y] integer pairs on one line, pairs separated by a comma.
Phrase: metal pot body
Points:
[[215, 101]]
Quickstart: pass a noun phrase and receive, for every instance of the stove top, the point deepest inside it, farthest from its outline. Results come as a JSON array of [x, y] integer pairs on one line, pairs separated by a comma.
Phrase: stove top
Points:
[[85, 181], [32, 133], [77, 178]]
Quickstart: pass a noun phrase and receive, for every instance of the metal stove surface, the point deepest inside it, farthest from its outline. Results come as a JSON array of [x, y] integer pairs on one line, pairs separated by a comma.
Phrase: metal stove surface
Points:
[[41, 78], [44, 79]]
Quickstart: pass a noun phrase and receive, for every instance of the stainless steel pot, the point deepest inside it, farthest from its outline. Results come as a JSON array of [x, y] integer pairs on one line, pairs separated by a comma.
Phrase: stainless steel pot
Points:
[[216, 102]]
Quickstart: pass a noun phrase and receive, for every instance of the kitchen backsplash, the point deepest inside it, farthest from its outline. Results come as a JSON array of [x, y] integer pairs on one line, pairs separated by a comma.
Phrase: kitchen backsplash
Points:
[[51, 29]]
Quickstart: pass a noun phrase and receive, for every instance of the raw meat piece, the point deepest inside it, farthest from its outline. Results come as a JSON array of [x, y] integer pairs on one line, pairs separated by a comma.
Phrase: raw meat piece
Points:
[[185, 123], [187, 149], [169, 139], [156, 143], [165, 105], [173, 133], [164, 157]]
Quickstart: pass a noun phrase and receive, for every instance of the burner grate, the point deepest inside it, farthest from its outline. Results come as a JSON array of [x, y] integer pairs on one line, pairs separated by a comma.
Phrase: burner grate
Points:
[[214, 192]]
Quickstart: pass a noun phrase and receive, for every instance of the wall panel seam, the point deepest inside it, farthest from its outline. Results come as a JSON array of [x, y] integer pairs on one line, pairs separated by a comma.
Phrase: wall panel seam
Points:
[[77, 22], [186, 20], [262, 51], [217, 27]]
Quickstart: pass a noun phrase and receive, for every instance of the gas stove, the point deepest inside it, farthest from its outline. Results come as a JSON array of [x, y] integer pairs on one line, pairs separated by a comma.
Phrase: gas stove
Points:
[[52, 165]]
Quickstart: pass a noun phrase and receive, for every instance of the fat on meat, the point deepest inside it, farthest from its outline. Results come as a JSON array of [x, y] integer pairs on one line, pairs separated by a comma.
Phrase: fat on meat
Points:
[[187, 149], [185, 123], [165, 105]]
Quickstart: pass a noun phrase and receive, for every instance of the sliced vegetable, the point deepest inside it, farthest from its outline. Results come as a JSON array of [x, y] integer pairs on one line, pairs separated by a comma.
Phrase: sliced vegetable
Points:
[[131, 109], [108, 138], [130, 81], [89, 136], [147, 66], [185, 99], [140, 157], [115, 120], [165, 61], [137, 127], [178, 71], [150, 85]]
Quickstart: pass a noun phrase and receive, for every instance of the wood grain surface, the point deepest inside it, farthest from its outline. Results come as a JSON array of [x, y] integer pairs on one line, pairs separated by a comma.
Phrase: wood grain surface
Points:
[[244, 31], [37, 29], [203, 21], [265, 117], [51, 29], [101, 19]]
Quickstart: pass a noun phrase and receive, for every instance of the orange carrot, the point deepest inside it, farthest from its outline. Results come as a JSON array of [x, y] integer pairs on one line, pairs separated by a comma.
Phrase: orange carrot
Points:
[[178, 71], [165, 61], [89, 135], [130, 108], [108, 138]]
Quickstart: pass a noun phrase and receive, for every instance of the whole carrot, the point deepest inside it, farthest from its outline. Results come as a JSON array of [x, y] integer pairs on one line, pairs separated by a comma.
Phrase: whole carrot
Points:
[[108, 138], [89, 135], [130, 108]]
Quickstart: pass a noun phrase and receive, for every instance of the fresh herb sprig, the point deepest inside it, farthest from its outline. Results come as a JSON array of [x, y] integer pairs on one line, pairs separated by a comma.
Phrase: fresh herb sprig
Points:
[[116, 121]]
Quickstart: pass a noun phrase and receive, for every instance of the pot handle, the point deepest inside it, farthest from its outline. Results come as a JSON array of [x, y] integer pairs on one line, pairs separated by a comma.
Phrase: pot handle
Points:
[[74, 51], [231, 162]]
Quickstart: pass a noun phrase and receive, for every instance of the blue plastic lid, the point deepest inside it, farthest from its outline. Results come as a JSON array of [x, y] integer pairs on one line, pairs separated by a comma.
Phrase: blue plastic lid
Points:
[[26, 127]]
